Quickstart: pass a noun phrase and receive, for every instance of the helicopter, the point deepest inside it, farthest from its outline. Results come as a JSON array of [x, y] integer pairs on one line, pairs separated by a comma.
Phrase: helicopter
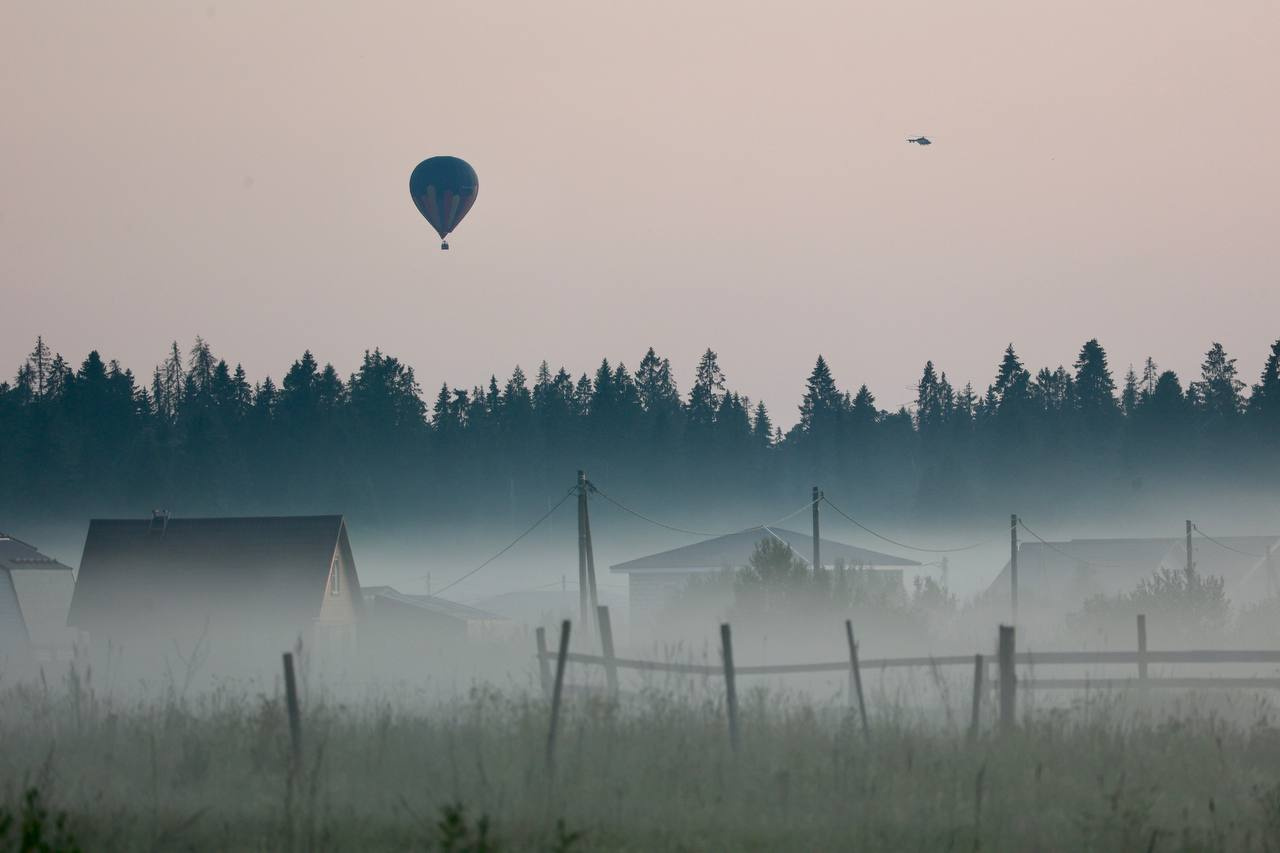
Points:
[[921, 140]]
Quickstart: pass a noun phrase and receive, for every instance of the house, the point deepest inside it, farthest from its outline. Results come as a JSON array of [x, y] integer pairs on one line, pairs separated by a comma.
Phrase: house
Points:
[[421, 623], [35, 594], [238, 588], [655, 579], [1063, 575]]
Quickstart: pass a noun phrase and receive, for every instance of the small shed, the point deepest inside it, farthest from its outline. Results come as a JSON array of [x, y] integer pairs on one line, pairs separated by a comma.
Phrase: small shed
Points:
[[655, 579], [35, 595], [250, 586]]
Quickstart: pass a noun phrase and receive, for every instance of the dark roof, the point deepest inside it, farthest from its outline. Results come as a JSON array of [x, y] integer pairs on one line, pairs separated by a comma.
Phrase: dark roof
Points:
[[275, 566], [430, 603], [734, 551], [16, 554]]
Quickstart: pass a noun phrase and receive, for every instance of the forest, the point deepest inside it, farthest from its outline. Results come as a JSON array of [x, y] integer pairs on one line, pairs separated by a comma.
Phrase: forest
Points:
[[197, 437]]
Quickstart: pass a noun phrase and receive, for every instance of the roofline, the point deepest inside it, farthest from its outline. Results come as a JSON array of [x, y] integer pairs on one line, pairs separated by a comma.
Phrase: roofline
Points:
[[172, 518]]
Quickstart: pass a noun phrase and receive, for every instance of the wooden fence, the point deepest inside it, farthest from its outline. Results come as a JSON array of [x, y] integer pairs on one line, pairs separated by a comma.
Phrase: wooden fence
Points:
[[1006, 683]]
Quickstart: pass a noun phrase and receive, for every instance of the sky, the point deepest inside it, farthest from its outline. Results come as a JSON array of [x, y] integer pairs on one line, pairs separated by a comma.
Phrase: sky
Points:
[[719, 174]]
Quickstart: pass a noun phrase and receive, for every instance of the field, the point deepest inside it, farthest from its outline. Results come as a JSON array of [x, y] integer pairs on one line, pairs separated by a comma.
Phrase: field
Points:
[[386, 769]]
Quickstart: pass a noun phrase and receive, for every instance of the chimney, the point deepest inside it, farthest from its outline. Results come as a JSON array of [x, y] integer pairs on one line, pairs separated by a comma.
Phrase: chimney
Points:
[[159, 520]]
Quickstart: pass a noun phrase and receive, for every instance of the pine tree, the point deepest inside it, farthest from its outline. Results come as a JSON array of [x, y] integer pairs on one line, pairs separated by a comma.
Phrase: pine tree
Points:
[[1094, 387], [655, 386], [823, 404], [38, 363], [929, 401], [1218, 391], [708, 386], [1129, 395], [762, 427], [1264, 398]]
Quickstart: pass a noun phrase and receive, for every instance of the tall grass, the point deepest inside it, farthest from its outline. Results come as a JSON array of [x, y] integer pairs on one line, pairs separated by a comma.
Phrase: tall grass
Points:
[[397, 770]]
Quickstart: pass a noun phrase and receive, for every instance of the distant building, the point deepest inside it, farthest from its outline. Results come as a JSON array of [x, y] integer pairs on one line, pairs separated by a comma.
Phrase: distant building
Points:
[[35, 595], [395, 622], [1063, 575], [244, 587], [652, 581]]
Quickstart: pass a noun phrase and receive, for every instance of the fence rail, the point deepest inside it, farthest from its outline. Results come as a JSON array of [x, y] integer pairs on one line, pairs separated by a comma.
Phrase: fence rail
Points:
[[1192, 656], [1007, 684]]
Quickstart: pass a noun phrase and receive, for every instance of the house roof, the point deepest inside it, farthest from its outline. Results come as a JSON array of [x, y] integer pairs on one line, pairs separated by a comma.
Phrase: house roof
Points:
[[15, 642], [16, 554], [35, 594], [735, 549], [273, 566], [432, 604]]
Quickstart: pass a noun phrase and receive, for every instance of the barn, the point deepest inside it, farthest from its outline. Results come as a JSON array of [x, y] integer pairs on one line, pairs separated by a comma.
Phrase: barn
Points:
[[653, 580], [232, 589]]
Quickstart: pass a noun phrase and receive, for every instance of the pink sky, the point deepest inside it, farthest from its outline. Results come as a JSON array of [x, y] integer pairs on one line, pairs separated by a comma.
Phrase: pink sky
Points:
[[673, 174]]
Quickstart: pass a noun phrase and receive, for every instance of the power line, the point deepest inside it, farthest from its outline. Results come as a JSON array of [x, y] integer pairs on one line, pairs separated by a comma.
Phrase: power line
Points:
[[512, 543], [1225, 545], [1074, 558], [859, 524], [594, 489]]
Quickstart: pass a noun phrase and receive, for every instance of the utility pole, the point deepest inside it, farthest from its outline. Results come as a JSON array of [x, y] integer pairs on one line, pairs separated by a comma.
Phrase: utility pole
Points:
[[1013, 566], [583, 591], [817, 553], [593, 599], [1191, 565]]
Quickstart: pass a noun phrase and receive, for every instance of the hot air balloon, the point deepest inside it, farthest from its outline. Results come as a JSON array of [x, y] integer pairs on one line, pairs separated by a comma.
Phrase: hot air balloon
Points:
[[443, 189]]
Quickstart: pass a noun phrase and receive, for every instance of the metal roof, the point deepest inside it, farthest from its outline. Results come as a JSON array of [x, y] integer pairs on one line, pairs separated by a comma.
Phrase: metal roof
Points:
[[735, 549]]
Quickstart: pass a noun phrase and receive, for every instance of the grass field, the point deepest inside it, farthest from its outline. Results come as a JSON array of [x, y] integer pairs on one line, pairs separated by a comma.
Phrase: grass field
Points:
[[653, 772]]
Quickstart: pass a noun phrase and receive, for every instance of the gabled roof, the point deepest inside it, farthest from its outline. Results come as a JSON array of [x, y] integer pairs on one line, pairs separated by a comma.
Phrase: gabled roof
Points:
[[735, 549], [275, 566], [16, 554], [432, 604], [15, 642], [35, 593]]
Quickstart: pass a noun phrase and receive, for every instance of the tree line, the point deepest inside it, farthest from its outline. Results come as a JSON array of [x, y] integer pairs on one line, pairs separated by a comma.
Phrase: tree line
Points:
[[198, 437]]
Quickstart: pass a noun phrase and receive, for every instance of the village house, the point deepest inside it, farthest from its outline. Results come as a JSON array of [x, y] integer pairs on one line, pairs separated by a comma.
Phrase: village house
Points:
[[35, 594], [238, 590], [654, 580], [1063, 575]]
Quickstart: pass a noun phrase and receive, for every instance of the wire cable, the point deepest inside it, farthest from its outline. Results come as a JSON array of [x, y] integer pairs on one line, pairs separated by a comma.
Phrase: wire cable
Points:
[[1225, 545], [594, 489], [862, 526], [1095, 564], [573, 490]]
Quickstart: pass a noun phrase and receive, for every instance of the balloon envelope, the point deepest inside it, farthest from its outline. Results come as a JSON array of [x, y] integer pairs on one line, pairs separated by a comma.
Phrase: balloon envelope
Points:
[[443, 189]]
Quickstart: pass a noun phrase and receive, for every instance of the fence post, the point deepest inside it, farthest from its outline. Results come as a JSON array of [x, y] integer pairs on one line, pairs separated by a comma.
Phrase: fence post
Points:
[[979, 669], [556, 690], [1008, 679], [855, 679], [295, 714], [606, 647], [731, 691], [1142, 647], [544, 665]]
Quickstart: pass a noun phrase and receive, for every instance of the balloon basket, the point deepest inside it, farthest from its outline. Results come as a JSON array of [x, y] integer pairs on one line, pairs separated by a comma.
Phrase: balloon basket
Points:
[[444, 246]]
